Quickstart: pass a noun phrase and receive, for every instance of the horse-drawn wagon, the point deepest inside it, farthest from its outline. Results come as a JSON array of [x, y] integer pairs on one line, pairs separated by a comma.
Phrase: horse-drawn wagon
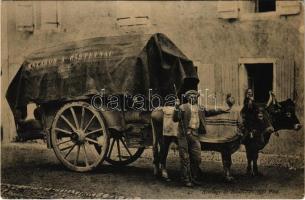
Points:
[[94, 96]]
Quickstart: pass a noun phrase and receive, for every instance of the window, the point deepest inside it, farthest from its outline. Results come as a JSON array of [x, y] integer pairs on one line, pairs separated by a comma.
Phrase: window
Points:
[[265, 5], [227, 9], [292, 7], [38, 15], [49, 15], [25, 17], [133, 21], [133, 16]]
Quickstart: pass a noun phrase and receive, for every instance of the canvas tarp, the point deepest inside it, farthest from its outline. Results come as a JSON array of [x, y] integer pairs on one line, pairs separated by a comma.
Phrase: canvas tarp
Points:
[[130, 64]]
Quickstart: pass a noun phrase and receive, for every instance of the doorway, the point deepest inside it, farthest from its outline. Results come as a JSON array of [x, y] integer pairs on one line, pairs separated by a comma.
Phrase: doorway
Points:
[[260, 80]]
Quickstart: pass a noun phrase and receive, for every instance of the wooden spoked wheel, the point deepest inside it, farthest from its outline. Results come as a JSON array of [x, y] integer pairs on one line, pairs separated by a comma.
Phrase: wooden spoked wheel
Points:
[[119, 153], [79, 136]]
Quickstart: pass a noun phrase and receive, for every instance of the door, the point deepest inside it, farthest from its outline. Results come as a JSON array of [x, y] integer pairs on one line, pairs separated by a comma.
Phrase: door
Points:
[[260, 80]]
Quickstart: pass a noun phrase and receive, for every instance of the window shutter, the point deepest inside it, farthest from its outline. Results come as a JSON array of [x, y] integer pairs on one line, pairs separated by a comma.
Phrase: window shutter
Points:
[[286, 79], [131, 17], [25, 17], [49, 15], [207, 81], [242, 82], [227, 9], [133, 21], [288, 7]]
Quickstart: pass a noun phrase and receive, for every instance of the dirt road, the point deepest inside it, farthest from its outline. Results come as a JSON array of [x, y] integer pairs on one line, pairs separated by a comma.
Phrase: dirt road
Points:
[[32, 171]]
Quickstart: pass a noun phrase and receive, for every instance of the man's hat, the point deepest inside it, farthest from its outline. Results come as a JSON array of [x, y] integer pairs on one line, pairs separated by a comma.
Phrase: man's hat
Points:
[[191, 92]]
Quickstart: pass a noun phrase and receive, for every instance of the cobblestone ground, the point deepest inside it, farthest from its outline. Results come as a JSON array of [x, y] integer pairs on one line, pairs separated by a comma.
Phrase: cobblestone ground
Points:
[[22, 191], [32, 171]]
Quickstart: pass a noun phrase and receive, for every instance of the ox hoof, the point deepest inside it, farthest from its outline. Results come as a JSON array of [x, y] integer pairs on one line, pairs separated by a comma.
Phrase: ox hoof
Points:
[[258, 174], [250, 173], [156, 171], [229, 179], [166, 179], [188, 184], [164, 176], [196, 182]]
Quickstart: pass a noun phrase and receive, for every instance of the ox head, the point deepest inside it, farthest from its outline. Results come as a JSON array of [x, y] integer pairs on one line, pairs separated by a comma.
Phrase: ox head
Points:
[[283, 114]]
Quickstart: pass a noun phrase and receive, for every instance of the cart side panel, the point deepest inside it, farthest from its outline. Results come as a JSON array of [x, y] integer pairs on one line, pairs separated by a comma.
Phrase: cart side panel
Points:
[[114, 120]]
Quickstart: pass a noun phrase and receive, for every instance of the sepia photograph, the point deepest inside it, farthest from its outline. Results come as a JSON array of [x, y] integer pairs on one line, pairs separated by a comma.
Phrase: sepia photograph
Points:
[[152, 99]]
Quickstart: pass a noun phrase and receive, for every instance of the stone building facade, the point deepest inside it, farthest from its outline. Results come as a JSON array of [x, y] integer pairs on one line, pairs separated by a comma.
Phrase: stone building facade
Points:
[[234, 44]]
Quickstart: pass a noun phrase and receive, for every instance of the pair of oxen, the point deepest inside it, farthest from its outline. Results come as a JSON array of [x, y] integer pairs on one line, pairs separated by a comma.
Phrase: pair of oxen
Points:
[[267, 119]]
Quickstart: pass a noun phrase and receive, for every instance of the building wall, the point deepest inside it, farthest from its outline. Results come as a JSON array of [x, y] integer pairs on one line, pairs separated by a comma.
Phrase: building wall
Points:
[[216, 35]]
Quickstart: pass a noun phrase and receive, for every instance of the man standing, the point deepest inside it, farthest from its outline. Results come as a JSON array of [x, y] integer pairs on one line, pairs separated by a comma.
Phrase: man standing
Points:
[[191, 120]]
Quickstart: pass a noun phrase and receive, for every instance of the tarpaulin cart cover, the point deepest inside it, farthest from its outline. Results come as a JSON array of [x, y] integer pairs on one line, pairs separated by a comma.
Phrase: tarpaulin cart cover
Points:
[[130, 64]]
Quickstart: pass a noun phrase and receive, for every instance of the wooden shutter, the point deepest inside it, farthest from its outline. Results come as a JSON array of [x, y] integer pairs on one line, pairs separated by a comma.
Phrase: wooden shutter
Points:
[[49, 15], [242, 82], [285, 75], [288, 7], [227, 9], [25, 16], [133, 21], [133, 16], [207, 81]]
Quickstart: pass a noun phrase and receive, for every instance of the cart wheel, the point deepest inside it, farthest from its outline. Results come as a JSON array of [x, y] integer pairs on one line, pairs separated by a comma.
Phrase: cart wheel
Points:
[[79, 136], [119, 153]]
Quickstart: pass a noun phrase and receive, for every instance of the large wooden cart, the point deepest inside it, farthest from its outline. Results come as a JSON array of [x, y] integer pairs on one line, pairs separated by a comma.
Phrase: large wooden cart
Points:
[[65, 80]]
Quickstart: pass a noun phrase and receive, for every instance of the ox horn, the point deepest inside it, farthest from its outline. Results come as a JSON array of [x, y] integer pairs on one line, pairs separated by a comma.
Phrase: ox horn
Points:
[[270, 100]]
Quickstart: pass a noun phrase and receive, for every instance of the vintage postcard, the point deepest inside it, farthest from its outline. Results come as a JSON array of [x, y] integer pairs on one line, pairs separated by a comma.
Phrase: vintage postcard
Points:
[[152, 99]]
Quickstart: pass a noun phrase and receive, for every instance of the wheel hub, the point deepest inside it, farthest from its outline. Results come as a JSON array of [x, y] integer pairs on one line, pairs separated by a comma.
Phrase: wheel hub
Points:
[[79, 137]]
